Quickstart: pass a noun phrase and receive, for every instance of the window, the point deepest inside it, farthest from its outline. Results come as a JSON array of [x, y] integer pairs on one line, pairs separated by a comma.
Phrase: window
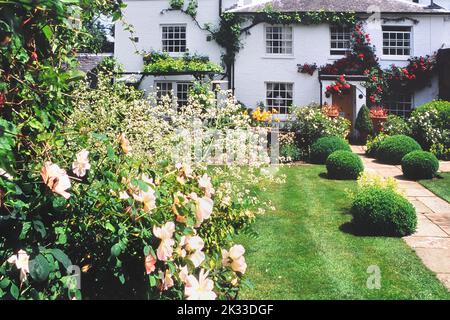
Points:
[[278, 40], [163, 89], [400, 104], [183, 92], [340, 40], [397, 41], [279, 96], [174, 38]]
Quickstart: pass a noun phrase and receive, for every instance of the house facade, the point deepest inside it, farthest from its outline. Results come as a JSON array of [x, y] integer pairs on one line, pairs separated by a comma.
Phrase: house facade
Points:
[[265, 70]]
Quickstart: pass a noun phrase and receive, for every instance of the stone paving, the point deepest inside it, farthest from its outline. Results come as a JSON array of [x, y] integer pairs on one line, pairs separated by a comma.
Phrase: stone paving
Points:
[[431, 242]]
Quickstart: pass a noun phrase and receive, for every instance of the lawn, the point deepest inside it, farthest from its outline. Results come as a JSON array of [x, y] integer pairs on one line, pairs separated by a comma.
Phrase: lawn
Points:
[[439, 186], [301, 251]]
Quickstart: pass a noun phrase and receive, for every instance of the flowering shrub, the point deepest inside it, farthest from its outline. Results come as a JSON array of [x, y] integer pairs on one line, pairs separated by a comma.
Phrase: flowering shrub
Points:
[[307, 68], [396, 125], [416, 75], [289, 151], [310, 124], [430, 127], [341, 86]]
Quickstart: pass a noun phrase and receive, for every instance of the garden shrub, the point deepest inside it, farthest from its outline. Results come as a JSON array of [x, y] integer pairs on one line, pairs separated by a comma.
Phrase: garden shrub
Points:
[[363, 122], [311, 123], [325, 146], [394, 148], [430, 125], [373, 144], [344, 165], [395, 125], [420, 165], [289, 151], [382, 211]]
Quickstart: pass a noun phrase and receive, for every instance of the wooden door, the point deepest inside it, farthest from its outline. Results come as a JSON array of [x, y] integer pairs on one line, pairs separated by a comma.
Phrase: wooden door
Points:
[[345, 104]]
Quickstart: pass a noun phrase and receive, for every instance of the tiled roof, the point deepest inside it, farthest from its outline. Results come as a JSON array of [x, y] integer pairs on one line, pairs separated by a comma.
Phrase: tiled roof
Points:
[[359, 6], [87, 62]]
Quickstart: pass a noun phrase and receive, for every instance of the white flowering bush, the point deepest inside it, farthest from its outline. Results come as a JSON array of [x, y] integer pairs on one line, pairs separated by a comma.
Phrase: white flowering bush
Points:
[[430, 127], [311, 123]]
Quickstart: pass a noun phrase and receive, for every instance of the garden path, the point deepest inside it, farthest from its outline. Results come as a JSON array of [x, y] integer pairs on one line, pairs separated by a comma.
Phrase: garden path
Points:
[[431, 241]]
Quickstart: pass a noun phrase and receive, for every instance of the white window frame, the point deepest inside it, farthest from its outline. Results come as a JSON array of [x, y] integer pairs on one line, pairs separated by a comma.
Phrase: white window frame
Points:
[[345, 33], [182, 101], [408, 30], [165, 46], [160, 92], [281, 109], [398, 106], [270, 53]]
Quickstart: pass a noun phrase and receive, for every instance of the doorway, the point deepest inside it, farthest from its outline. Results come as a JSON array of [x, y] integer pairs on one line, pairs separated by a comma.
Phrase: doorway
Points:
[[346, 104]]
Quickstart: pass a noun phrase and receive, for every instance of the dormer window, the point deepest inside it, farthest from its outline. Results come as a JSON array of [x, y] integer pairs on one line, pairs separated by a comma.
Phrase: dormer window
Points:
[[174, 38]]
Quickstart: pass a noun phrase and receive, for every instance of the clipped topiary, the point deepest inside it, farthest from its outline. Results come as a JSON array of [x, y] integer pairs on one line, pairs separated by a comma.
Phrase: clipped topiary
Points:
[[343, 165], [364, 123], [394, 148], [323, 147], [382, 211], [420, 165]]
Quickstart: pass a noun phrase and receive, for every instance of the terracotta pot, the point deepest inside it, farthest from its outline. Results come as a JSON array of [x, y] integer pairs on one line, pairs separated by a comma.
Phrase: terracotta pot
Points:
[[378, 123]]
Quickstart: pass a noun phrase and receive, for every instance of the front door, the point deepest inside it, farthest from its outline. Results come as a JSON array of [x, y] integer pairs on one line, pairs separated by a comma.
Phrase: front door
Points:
[[345, 104]]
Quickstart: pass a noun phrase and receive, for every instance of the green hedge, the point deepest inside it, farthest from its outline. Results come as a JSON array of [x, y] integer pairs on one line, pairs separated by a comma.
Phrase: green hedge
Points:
[[379, 211], [394, 148], [323, 147], [344, 165], [420, 165]]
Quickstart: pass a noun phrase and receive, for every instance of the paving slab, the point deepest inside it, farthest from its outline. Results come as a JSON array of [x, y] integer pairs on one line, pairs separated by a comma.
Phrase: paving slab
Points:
[[444, 166], [437, 205], [437, 260], [428, 242], [426, 228]]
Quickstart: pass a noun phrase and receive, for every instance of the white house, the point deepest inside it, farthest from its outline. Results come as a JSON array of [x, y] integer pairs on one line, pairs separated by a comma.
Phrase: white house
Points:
[[265, 69]]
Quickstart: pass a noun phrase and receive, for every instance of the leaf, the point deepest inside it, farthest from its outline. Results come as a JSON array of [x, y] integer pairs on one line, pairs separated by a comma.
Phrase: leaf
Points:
[[25, 228], [47, 32], [4, 283], [116, 250], [39, 268], [39, 227], [61, 257], [14, 291], [110, 227]]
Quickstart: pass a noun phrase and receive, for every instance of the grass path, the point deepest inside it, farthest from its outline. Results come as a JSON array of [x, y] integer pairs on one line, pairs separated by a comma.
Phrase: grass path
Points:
[[440, 186], [301, 252]]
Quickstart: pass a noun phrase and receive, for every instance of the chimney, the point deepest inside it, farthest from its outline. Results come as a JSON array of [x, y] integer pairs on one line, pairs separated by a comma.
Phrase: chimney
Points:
[[434, 5]]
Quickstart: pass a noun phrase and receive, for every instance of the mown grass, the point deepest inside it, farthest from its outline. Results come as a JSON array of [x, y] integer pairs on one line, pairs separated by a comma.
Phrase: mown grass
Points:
[[439, 185], [302, 252]]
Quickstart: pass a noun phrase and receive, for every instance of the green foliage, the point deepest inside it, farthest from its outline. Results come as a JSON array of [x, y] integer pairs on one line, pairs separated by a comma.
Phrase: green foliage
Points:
[[192, 8], [311, 123], [323, 147], [430, 125], [382, 211], [395, 125], [176, 4], [420, 165], [373, 144], [363, 122], [158, 62], [344, 165], [394, 148]]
